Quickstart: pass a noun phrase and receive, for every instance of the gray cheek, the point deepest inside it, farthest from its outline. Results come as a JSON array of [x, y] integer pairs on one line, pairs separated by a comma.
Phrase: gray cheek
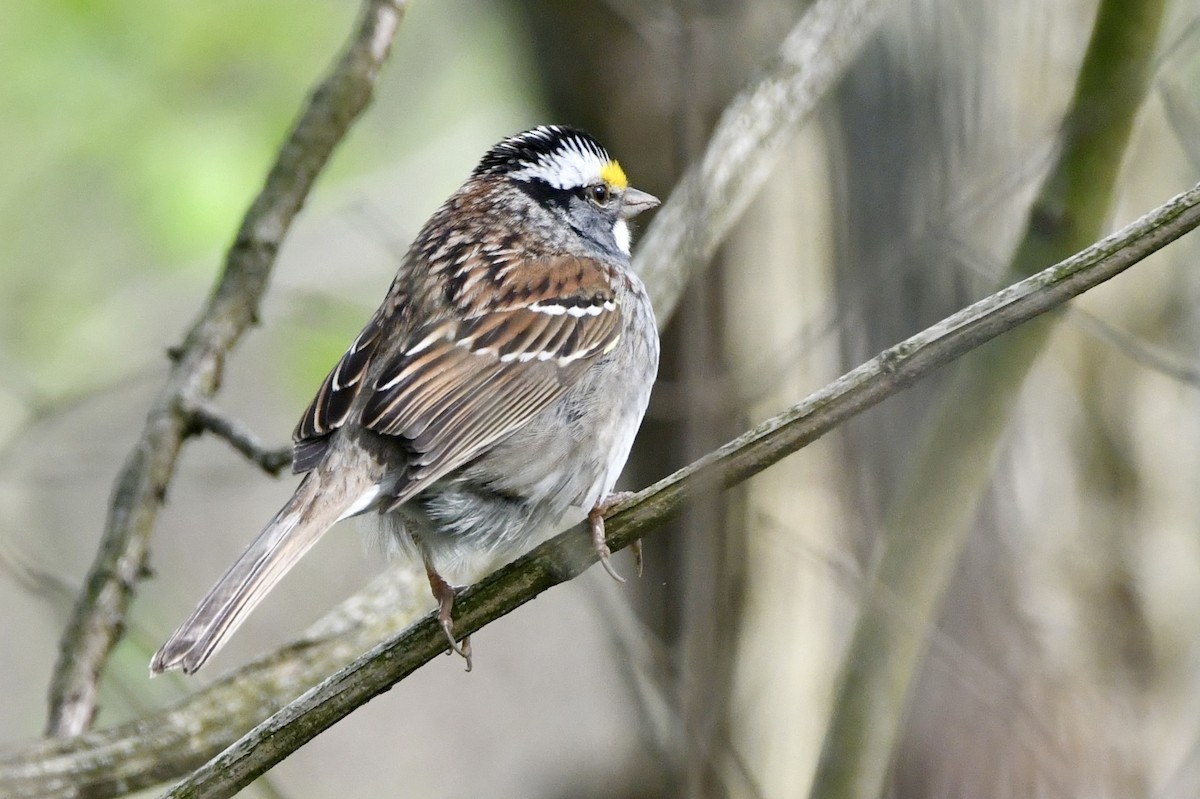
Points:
[[598, 229]]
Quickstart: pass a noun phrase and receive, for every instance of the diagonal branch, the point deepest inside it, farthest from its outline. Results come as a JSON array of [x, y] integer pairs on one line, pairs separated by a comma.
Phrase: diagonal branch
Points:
[[570, 553], [98, 617], [180, 737]]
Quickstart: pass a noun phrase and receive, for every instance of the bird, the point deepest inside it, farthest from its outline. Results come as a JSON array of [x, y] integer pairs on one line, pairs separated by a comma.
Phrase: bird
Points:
[[499, 385]]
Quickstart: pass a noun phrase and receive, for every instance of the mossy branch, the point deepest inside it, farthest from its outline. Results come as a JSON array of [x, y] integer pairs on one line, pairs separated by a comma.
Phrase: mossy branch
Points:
[[570, 553], [144, 752]]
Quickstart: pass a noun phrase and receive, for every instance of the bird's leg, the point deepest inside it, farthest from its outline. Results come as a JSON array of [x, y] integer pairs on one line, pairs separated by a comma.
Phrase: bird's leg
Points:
[[596, 521], [444, 593]]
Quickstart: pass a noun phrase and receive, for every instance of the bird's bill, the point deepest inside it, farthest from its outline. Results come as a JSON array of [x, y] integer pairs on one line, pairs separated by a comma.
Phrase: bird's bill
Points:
[[635, 201]]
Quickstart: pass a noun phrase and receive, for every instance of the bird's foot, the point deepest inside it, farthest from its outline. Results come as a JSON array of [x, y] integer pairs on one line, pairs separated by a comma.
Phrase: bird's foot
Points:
[[445, 593], [596, 522]]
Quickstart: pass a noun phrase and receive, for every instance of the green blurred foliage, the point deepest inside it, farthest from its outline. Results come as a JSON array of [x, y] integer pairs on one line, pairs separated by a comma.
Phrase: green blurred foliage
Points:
[[134, 134]]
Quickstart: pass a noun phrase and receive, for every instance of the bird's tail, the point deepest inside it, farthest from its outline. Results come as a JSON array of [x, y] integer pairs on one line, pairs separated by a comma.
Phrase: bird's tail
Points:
[[321, 500]]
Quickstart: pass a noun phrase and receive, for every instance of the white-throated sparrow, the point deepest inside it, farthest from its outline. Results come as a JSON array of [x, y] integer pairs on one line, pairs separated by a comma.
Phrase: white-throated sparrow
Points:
[[500, 383]]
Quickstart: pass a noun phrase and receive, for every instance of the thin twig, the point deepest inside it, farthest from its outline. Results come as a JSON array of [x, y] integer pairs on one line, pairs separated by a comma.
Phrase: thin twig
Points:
[[207, 417], [54, 590], [570, 553], [1143, 353], [99, 613]]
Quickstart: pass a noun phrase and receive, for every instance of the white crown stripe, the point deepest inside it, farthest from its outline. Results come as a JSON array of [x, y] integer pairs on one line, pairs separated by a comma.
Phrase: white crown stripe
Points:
[[575, 160], [564, 169]]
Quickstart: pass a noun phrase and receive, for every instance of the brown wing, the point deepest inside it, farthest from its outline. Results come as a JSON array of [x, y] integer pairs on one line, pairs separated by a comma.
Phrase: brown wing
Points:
[[463, 383], [330, 407]]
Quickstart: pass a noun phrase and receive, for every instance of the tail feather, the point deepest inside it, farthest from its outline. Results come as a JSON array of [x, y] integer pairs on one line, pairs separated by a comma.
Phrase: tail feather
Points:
[[298, 525]]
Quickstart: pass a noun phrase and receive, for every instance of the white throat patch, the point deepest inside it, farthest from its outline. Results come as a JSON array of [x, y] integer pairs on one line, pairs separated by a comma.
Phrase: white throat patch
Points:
[[621, 234]]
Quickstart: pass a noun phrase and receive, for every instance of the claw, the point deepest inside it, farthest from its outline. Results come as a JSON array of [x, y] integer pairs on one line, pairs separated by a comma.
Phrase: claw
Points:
[[596, 521], [447, 624], [444, 593]]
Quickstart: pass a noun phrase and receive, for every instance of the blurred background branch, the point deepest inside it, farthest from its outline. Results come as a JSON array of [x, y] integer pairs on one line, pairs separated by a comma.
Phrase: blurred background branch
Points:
[[165, 744], [929, 522], [746, 142], [98, 618]]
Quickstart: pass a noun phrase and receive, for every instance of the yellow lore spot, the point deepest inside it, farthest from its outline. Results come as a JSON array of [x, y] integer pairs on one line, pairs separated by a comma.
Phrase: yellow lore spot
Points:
[[612, 174]]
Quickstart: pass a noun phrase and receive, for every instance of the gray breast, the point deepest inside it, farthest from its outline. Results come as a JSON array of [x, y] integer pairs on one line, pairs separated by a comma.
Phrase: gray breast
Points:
[[568, 455]]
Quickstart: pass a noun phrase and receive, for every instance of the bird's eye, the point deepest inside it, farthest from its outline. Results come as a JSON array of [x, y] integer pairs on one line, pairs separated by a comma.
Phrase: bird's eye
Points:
[[599, 193]]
